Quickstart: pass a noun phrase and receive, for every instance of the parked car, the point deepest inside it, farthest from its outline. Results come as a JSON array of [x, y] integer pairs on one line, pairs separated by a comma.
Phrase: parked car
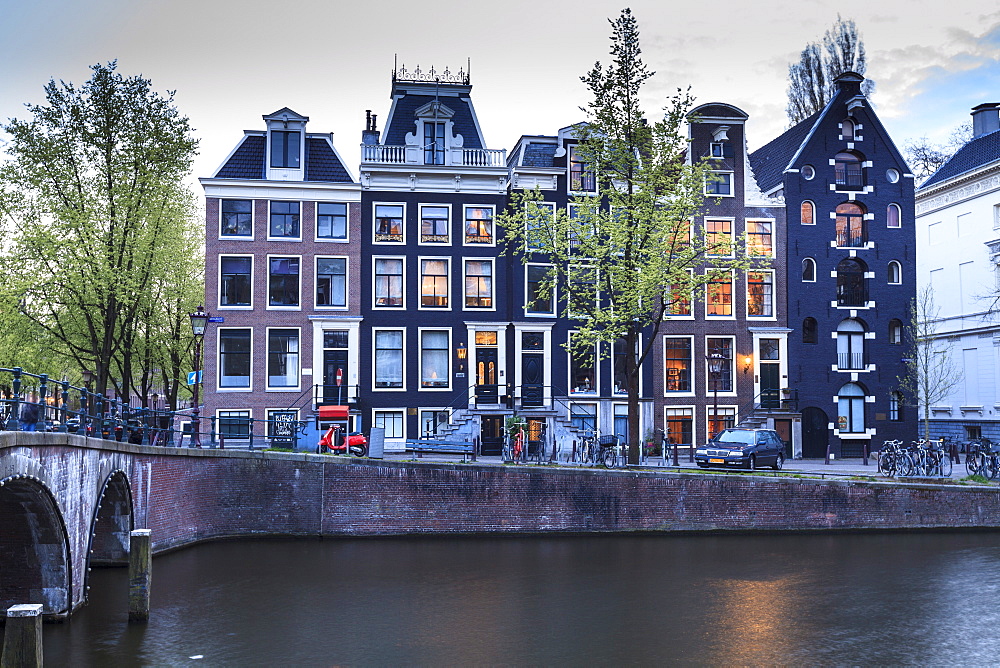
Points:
[[746, 448]]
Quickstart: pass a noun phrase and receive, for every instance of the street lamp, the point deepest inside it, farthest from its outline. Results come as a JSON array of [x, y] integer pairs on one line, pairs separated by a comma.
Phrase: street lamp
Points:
[[462, 353], [715, 362], [199, 321]]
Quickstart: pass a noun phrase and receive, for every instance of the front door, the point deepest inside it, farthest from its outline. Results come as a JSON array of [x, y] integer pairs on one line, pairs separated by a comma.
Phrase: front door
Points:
[[815, 433], [784, 429], [770, 374], [491, 435], [486, 376], [532, 380], [335, 377]]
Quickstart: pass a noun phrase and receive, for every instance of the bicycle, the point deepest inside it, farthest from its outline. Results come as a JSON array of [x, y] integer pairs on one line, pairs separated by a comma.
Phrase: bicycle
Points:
[[609, 452], [893, 459], [513, 446], [587, 448], [977, 457]]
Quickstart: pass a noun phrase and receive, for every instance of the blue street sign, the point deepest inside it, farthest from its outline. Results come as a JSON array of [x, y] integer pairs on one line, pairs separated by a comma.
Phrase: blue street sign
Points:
[[194, 377], [216, 318]]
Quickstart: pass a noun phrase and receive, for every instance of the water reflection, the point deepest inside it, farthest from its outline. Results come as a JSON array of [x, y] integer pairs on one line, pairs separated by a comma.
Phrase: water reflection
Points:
[[699, 600]]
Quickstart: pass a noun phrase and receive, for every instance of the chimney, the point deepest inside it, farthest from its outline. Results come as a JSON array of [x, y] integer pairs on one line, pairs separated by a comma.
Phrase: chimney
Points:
[[985, 119], [849, 82], [370, 135]]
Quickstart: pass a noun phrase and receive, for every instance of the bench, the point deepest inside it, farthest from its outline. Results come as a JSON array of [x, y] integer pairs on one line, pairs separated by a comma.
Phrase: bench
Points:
[[419, 446]]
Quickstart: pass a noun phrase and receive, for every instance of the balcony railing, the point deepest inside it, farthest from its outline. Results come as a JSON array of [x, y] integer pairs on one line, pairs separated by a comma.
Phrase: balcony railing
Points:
[[851, 361], [851, 239], [413, 155], [851, 296]]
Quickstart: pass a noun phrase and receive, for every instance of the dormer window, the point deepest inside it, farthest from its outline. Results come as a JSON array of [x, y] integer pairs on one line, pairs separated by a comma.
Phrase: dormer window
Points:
[[847, 130], [285, 149], [718, 150], [434, 143]]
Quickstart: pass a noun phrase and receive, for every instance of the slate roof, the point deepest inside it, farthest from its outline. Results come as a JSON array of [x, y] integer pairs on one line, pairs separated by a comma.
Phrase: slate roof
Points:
[[538, 154], [247, 161], [977, 153], [403, 119], [769, 161]]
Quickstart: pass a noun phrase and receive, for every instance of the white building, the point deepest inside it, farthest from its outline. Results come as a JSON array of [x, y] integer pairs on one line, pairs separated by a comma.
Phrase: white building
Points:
[[958, 255]]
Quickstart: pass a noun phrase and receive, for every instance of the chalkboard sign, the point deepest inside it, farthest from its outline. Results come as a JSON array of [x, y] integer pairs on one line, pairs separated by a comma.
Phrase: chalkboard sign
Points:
[[282, 427]]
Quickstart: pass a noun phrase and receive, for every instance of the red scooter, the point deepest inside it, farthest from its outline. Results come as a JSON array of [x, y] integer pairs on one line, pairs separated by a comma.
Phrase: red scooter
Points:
[[355, 444]]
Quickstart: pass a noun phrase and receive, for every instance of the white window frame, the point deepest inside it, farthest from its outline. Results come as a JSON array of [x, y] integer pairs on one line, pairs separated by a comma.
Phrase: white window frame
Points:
[[595, 382], [708, 374], [732, 295], [692, 411], [552, 210], [691, 304], [347, 282], [219, 387], [715, 183], [570, 151], [493, 231], [812, 205], [431, 409], [771, 235], [401, 412], [270, 203], [897, 268], [774, 295], [493, 283], [732, 234], [420, 222], [374, 386], [899, 216], [375, 306], [596, 414], [237, 237], [812, 263], [374, 229], [238, 307], [267, 362], [527, 295], [219, 417], [280, 307], [420, 359], [692, 368], [347, 224], [420, 282]]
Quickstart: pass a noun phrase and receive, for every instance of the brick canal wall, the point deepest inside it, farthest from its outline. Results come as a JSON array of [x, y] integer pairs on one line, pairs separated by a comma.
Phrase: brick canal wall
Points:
[[204, 497]]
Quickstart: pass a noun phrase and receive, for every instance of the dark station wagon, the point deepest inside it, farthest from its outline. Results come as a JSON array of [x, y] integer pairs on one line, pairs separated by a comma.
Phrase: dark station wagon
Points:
[[745, 448]]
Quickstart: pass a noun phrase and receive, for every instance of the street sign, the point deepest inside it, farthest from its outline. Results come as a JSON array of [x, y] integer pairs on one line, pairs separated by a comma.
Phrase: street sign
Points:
[[216, 318], [194, 377]]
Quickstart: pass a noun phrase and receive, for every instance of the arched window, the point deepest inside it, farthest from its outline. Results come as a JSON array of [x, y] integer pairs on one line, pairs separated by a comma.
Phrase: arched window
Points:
[[895, 273], [847, 130], [851, 228], [895, 332], [895, 405], [847, 171], [852, 289], [892, 216], [809, 330], [851, 409], [806, 213], [808, 270], [851, 345]]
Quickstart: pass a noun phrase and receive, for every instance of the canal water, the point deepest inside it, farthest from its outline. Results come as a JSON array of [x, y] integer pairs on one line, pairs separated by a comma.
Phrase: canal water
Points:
[[929, 599]]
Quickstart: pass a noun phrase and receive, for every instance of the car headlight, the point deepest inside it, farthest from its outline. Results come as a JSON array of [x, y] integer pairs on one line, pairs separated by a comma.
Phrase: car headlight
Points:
[[701, 452], [735, 453]]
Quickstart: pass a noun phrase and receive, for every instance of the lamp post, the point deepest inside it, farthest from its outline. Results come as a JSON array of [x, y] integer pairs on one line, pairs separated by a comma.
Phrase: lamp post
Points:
[[199, 320], [715, 360]]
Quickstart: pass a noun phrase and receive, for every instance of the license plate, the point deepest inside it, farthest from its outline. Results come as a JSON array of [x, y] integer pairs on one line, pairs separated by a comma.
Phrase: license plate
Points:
[[716, 461]]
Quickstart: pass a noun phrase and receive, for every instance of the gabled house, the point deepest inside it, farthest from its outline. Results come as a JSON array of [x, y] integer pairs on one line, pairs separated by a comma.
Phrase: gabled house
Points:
[[850, 271]]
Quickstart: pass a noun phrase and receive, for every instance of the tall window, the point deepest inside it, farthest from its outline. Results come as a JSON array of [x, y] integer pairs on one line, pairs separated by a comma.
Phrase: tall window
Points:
[[283, 281], [434, 283], [807, 213], [583, 298], [389, 282], [719, 296], [331, 281], [679, 299], [895, 273], [808, 270], [619, 355], [236, 218], [895, 332], [234, 358], [391, 422], [581, 176], [285, 149], [851, 287], [478, 284], [719, 237], [720, 184], [895, 403], [760, 294], [847, 130], [433, 143], [892, 216], [851, 409], [581, 367], [583, 416], [850, 345], [434, 225], [847, 171], [388, 223], [678, 426], [851, 231], [434, 358], [539, 295], [235, 280], [537, 218], [620, 413], [759, 240], [723, 348], [677, 364], [809, 334], [282, 358], [389, 358], [478, 225], [331, 220], [285, 220]]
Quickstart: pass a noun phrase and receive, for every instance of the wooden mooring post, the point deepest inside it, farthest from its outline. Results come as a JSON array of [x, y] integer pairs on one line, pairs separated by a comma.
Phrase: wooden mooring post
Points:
[[22, 640], [140, 562]]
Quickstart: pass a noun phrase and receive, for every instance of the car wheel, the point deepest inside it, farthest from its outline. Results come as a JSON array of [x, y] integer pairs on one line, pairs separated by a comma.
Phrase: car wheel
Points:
[[752, 462], [779, 461]]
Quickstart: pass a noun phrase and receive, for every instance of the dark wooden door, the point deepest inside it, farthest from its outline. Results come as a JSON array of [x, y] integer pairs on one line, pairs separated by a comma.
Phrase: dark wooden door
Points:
[[770, 374], [784, 429], [815, 432], [491, 435], [486, 376], [335, 361], [532, 380]]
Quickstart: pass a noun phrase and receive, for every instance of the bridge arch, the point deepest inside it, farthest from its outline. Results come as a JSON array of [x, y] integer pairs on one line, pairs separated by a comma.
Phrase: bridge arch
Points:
[[113, 520], [34, 547]]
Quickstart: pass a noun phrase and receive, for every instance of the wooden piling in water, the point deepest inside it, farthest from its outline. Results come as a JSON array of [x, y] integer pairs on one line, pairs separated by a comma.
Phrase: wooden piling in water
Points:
[[22, 640], [140, 563]]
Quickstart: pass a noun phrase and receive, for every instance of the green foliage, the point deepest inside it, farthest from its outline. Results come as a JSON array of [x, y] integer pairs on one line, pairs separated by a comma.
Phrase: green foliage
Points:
[[101, 246]]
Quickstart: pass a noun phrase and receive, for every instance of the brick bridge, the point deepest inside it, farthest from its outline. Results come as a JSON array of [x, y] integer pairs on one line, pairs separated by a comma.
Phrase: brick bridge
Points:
[[68, 503]]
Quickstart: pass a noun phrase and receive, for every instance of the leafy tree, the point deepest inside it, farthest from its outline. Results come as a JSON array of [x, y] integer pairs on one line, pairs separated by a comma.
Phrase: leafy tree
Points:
[[97, 220], [628, 257], [925, 158], [930, 375], [810, 81]]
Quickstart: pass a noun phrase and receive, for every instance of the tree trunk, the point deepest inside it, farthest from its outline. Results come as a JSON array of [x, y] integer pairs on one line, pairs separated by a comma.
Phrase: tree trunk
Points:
[[632, 378]]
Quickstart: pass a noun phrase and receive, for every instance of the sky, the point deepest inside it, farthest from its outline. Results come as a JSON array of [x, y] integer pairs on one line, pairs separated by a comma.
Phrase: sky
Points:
[[231, 62]]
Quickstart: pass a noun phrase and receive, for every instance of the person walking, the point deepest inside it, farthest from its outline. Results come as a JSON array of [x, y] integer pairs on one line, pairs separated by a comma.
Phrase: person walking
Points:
[[30, 413]]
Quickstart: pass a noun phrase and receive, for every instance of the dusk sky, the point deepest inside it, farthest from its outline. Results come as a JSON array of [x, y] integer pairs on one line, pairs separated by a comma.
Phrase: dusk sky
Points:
[[232, 62]]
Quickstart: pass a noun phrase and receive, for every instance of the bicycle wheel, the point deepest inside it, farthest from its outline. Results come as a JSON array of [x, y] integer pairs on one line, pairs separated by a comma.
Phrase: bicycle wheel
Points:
[[945, 464], [608, 458], [992, 467], [974, 463], [885, 466]]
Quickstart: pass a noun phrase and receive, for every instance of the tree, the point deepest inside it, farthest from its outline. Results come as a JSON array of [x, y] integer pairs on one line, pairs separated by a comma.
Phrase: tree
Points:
[[627, 257], [925, 158], [98, 220], [810, 81], [930, 374]]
